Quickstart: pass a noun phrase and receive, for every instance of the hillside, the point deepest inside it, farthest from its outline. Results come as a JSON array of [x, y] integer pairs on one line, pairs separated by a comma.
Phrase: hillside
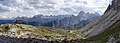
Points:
[[112, 34], [105, 29], [37, 32]]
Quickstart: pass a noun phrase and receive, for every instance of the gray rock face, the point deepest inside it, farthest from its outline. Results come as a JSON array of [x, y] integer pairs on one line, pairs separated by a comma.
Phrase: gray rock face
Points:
[[110, 17], [112, 39], [116, 4]]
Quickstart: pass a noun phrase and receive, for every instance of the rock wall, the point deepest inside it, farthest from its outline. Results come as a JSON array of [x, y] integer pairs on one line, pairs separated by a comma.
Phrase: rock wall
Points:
[[116, 4], [111, 16]]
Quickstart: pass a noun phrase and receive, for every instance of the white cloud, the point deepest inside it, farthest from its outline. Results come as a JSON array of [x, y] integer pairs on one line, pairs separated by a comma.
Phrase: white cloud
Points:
[[90, 5], [5, 16], [51, 7]]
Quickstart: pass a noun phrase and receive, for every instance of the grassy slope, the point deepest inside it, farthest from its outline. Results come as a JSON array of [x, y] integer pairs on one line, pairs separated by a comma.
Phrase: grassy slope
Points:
[[38, 30], [103, 37]]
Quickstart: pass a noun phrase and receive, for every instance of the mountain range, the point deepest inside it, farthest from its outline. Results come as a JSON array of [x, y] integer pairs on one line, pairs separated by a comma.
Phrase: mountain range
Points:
[[104, 29], [61, 21], [76, 21]]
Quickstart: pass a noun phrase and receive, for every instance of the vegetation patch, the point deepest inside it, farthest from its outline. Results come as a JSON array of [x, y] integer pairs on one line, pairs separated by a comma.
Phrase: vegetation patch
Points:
[[37, 31]]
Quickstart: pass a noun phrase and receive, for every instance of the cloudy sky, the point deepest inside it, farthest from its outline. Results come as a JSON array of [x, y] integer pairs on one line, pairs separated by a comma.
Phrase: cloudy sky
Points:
[[14, 8]]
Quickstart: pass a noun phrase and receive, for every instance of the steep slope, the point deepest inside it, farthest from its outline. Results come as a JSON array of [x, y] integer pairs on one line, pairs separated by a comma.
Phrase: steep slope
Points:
[[110, 35], [106, 28], [107, 20]]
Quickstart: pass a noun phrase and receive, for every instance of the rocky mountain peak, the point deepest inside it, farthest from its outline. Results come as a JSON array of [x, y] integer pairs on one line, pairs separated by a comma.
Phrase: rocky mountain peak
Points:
[[116, 4], [109, 18], [105, 29], [81, 13]]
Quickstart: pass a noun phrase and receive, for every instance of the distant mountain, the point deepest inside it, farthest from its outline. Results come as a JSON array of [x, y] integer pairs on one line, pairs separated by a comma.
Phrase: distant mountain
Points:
[[6, 21], [76, 21], [41, 20], [61, 21]]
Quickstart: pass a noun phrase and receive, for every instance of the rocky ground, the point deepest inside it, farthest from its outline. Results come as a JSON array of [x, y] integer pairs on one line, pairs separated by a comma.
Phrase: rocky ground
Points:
[[20, 33], [6, 39]]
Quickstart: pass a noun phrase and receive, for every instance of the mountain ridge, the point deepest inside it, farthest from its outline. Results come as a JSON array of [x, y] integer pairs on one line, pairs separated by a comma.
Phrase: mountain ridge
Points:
[[61, 21], [106, 28]]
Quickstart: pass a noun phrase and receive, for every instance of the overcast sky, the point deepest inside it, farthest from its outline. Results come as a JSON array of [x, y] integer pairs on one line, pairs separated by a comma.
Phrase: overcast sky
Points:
[[14, 8]]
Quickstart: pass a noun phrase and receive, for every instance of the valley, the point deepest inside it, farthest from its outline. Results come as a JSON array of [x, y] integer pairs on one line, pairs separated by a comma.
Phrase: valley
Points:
[[85, 27]]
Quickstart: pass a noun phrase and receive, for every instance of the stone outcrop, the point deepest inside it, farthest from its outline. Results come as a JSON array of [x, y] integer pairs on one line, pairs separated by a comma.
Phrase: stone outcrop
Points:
[[111, 39]]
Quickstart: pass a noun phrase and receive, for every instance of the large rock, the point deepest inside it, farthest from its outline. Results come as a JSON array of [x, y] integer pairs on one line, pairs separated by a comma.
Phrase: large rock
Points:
[[111, 39]]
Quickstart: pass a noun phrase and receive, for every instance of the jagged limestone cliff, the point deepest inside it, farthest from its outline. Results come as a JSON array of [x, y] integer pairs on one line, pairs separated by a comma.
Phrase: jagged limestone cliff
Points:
[[105, 29], [104, 22]]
